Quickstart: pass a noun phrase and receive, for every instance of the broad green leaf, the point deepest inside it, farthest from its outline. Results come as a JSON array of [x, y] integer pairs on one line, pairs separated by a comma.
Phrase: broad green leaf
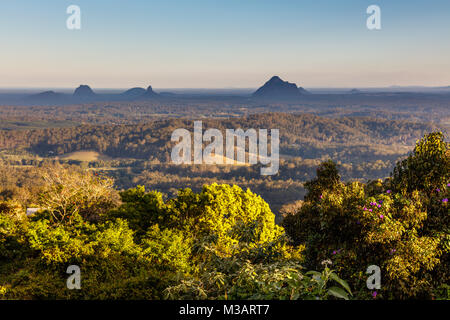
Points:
[[343, 283], [314, 273], [338, 293]]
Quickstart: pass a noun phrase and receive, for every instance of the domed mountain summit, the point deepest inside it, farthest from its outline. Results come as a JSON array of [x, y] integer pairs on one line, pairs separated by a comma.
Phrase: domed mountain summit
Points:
[[83, 91], [134, 92], [140, 93]]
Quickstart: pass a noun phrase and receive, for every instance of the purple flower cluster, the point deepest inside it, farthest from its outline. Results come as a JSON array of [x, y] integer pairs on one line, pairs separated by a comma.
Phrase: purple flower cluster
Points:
[[445, 200], [378, 205]]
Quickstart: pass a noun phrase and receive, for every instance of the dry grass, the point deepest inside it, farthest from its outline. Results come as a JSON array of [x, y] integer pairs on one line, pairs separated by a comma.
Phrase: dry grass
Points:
[[84, 156]]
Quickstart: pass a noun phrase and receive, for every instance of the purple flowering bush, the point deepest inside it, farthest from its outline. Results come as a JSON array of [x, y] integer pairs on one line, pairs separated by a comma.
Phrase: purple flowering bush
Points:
[[400, 224]]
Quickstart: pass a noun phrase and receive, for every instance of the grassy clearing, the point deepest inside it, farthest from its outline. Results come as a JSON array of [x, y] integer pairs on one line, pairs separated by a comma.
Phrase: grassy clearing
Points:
[[86, 155]]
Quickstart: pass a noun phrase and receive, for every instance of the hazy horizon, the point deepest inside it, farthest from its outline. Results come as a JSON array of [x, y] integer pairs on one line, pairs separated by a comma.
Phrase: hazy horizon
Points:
[[30, 89]]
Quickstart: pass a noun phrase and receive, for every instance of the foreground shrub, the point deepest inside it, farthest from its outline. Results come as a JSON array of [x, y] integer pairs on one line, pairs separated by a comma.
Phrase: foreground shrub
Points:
[[275, 281], [400, 225], [221, 218]]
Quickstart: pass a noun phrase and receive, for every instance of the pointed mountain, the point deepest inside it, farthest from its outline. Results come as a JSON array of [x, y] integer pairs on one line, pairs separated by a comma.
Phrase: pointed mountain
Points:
[[84, 91], [276, 88], [149, 93]]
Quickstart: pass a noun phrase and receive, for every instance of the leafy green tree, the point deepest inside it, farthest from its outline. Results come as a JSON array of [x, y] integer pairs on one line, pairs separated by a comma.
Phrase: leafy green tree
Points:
[[13, 224], [168, 249], [226, 217], [327, 178], [141, 209], [426, 169]]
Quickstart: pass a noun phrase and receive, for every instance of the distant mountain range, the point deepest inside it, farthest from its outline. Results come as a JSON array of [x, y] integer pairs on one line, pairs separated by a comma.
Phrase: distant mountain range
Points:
[[273, 90], [84, 93]]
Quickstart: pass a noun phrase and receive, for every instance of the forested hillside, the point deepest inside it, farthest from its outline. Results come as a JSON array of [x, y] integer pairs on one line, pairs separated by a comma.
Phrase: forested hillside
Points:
[[365, 149], [302, 135], [223, 243]]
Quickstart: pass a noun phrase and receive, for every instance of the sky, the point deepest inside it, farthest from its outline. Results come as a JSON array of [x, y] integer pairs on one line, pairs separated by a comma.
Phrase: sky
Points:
[[224, 43]]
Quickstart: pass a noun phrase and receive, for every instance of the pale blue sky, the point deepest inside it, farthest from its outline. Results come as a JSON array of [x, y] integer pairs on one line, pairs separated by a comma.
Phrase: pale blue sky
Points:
[[224, 43]]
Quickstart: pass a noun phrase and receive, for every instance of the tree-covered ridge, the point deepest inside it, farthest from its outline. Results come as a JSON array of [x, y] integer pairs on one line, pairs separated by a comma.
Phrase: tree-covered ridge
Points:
[[300, 135], [223, 242]]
